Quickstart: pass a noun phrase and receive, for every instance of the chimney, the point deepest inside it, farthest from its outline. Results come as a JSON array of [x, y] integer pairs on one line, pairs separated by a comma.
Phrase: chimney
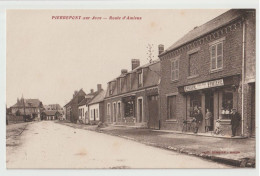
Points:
[[135, 63], [75, 92], [91, 90], [124, 71], [99, 87], [161, 48]]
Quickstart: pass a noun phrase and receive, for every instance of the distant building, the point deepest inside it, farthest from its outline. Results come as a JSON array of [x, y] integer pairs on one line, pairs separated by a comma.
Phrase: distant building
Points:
[[96, 108], [83, 105], [71, 108], [50, 115], [52, 107], [27, 107]]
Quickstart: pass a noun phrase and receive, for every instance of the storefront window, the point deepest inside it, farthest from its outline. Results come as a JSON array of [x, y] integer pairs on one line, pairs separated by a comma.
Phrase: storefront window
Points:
[[129, 108], [227, 104], [195, 103]]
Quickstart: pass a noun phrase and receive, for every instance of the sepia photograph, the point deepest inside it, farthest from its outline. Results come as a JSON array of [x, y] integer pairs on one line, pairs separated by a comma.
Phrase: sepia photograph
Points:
[[131, 88]]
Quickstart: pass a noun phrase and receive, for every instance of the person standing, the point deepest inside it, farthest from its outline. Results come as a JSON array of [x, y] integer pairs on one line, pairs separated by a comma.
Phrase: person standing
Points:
[[199, 118], [235, 121], [208, 118]]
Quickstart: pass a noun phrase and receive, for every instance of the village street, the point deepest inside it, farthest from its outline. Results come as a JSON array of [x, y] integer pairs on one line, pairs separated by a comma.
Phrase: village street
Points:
[[47, 144]]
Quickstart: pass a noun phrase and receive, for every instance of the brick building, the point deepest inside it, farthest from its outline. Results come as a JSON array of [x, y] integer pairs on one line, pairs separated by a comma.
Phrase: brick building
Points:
[[71, 108], [211, 67], [132, 98]]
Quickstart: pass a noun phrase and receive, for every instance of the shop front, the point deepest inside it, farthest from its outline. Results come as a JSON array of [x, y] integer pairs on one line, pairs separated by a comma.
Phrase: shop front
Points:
[[129, 110], [215, 99]]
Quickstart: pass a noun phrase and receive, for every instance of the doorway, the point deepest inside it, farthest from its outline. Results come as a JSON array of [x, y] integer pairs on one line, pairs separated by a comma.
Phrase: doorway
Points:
[[119, 111], [209, 104], [140, 109], [114, 112], [153, 115]]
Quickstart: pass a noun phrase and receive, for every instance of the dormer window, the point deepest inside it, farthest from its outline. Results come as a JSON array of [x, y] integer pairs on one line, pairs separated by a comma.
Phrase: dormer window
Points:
[[140, 78], [110, 88]]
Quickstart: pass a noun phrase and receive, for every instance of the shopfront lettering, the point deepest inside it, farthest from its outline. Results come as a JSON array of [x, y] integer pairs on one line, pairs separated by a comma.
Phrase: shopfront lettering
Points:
[[204, 85]]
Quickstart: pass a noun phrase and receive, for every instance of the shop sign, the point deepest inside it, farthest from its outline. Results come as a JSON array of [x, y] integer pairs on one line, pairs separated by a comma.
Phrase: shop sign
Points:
[[204, 85]]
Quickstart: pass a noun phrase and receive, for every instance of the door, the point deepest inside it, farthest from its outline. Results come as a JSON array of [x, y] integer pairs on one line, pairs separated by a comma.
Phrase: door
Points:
[[140, 110], [118, 111], [153, 107], [114, 112], [209, 104]]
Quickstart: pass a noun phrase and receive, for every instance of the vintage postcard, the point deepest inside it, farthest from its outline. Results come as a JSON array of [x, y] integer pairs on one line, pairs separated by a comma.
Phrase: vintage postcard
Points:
[[130, 88]]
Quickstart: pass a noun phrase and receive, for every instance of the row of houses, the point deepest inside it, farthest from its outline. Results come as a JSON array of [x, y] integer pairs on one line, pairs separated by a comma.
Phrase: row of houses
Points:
[[211, 67]]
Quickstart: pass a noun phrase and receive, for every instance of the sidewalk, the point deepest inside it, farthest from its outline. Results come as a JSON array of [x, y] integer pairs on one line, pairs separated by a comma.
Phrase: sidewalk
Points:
[[236, 152]]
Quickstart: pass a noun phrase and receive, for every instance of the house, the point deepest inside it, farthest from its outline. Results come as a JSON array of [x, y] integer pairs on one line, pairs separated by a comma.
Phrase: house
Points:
[[212, 67], [56, 107], [71, 108], [50, 115], [132, 97], [96, 108], [27, 107], [83, 105]]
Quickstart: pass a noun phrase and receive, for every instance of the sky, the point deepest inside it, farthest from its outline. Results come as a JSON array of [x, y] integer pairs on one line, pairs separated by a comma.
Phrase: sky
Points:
[[49, 58]]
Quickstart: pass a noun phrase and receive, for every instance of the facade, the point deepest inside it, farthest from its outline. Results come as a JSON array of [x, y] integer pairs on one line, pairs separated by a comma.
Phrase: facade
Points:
[[212, 67], [27, 107], [96, 108], [50, 115], [72, 107], [83, 108], [83, 111], [132, 98]]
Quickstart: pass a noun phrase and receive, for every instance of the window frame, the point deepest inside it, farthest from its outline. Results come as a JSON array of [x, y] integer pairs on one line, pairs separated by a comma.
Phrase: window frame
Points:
[[140, 78], [215, 44], [174, 60], [172, 97]]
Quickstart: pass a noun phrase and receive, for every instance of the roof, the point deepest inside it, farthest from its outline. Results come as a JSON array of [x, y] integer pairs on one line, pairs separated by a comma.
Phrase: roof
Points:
[[27, 103], [142, 66], [81, 90], [99, 97], [206, 28], [88, 98]]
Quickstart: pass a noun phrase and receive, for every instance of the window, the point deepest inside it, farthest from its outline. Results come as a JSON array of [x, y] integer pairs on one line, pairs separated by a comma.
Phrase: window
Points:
[[193, 64], [140, 78], [227, 104], [216, 56], [195, 103], [171, 104], [129, 108], [110, 88], [175, 69], [119, 85]]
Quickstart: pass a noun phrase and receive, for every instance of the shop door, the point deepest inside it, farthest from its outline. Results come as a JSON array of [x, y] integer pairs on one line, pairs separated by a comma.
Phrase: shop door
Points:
[[253, 110], [209, 104], [153, 107], [140, 110]]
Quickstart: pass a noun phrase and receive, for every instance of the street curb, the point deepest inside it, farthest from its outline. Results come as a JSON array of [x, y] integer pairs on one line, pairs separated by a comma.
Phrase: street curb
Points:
[[238, 163], [245, 162]]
